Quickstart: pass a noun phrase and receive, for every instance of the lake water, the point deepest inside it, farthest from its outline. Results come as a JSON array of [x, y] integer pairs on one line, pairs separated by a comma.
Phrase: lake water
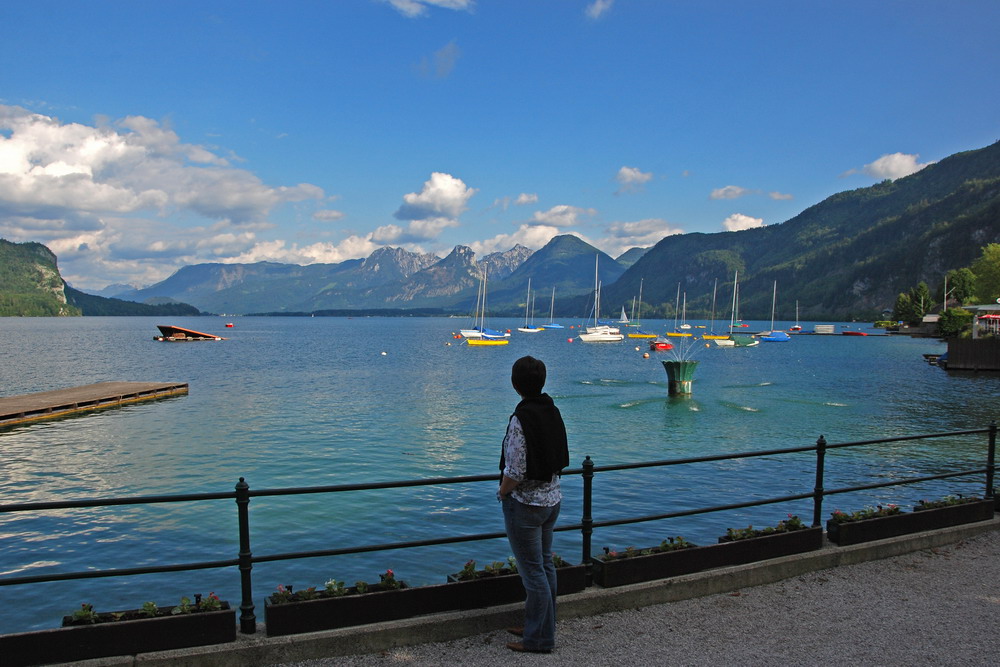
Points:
[[288, 402]]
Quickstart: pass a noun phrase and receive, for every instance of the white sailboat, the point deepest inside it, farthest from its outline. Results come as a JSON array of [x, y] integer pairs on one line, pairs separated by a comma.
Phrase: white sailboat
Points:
[[736, 340], [529, 326], [677, 309], [684, 313], [600, 333]]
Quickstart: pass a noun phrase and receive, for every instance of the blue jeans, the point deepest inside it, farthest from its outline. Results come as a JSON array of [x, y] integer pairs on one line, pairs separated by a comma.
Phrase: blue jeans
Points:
[[529, 529]]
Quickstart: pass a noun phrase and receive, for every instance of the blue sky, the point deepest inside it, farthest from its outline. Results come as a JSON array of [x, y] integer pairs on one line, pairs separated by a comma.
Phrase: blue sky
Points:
[[136, 138]]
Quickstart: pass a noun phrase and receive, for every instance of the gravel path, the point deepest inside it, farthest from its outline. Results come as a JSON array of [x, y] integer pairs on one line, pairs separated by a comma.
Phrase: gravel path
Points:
[[935, 607]]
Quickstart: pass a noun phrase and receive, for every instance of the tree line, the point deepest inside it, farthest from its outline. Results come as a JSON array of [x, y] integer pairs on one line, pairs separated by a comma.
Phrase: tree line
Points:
[[979, 283]]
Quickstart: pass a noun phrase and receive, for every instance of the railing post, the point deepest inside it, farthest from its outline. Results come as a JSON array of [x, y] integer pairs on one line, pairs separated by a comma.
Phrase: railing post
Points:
[[248, 622], [587, 521], [991, 454], [818, 489]]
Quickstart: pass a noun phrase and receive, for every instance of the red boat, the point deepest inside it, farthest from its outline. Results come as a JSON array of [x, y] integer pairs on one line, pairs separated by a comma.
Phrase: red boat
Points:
[[660, 344], [854, 333]]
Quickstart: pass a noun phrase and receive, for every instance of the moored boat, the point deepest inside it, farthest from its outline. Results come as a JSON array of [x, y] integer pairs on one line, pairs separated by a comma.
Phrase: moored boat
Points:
[[660, 344]]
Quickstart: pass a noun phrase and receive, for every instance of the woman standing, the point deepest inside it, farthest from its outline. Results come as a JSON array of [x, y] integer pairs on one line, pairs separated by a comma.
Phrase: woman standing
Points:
[[534, 453]]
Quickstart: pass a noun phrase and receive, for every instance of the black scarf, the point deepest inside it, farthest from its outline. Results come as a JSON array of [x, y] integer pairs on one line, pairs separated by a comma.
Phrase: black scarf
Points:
[[547, 451]]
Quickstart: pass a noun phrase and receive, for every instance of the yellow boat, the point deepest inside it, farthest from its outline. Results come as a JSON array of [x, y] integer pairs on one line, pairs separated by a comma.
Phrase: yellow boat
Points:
[[486, 341], [715, 336], [641, 335], [678, 334]]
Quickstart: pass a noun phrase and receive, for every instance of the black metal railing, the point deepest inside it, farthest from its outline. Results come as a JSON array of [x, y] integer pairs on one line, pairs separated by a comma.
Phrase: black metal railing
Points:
[[242, 495]]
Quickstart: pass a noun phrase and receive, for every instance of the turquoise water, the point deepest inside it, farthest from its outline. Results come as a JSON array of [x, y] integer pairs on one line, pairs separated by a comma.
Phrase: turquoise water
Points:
[[289, 402]]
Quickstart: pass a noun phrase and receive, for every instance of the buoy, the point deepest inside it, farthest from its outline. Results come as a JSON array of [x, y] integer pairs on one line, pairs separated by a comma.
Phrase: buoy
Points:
[[456, 336], [707, 345], [645, 355], [448, 344], [569, 340], [637, 348], [383, 354]]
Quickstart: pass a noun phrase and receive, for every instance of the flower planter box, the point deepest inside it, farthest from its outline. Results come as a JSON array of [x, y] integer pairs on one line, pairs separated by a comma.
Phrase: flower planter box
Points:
[[118, 638], [507, 588], [880, 528], [326, 613], [622, 571], [339, 612]]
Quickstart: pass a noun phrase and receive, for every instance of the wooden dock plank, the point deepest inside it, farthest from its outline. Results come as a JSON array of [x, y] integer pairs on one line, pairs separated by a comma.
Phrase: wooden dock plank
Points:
[[61, 402]]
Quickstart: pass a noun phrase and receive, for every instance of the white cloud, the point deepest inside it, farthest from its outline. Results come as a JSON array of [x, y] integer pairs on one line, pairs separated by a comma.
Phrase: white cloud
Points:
[[521, 200], [441, 64], [417, 231], [730, 192], [55, 170], [442, 195], [738, 221], [780, 196], [598, 8], [894, 165], [632, 179], [642, 233], [415, 8], [328, 215], [98, 195], [528, 235], [562, 215], [353, 247]]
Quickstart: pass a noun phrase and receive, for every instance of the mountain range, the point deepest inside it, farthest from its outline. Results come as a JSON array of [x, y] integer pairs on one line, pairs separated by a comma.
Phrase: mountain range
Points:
[[847, 257]]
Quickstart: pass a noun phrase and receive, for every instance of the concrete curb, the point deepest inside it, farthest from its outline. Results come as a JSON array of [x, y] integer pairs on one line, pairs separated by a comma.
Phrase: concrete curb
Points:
[[262, 650]]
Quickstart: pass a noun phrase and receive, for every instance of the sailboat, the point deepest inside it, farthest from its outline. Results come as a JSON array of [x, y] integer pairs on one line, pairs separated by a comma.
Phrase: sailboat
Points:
[[736, 340], [623, 319], [677, 309], [551, 324], [684, 313], [773, 336], [713, 335], [480, 334], [529, 327], [600, 333], [639, 333], [796, 326]]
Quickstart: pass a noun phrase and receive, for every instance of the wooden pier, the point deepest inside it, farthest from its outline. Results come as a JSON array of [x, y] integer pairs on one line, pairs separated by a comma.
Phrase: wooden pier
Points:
[[63, 402]]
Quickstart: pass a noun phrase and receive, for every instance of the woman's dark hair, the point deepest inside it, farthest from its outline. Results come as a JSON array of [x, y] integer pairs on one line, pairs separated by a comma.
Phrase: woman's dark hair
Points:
[[528, 376]]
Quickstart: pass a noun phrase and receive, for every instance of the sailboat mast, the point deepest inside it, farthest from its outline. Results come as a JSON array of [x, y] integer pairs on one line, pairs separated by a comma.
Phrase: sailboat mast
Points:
[[732, 313], [677, 305], [715, 288], [483, 314], [774, 300], [640, 301], [527, 299], [597, 290]]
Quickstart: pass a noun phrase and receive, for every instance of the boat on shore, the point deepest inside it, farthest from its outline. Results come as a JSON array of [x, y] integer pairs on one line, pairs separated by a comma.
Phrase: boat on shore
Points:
[[172, 334]]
